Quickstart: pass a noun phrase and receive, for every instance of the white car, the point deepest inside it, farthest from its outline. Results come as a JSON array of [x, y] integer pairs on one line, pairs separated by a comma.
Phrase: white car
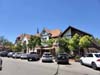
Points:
[[91, 59], [0, 64], [47, 57]]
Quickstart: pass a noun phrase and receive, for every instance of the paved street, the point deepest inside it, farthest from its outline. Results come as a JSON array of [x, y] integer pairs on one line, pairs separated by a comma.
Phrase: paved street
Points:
[[23, 67]]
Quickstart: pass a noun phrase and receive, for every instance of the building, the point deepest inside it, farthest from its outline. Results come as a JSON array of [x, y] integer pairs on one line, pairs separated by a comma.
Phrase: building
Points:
[[23, 39], [71, 31], [46, 35]]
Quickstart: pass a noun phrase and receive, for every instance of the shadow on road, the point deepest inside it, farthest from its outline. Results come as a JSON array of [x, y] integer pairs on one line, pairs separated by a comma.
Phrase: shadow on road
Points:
[[91, 67], [65, 64]]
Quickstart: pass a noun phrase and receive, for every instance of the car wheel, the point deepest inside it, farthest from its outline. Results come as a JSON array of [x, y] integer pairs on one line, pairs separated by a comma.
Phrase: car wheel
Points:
[[0, 68], [37, 58], [42, 61], [32, 59], [58, 63], [28, 59], [94, 66], [81, 62]]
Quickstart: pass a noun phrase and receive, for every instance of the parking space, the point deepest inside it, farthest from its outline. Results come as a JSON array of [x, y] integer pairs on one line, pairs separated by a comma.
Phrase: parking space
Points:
[[74, 68]]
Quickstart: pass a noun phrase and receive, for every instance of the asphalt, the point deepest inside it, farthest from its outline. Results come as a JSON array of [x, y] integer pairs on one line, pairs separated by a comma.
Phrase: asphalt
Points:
[[23, 67]]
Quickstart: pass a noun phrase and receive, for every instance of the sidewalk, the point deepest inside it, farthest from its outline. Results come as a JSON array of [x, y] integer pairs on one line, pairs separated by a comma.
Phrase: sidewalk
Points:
[[71, 60]]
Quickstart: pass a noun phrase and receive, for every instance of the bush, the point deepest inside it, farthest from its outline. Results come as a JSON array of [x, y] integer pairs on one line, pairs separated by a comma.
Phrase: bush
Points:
[[77, 58]]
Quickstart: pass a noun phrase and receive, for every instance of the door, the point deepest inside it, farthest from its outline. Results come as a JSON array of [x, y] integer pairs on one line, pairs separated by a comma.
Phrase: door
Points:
[[89, 59]]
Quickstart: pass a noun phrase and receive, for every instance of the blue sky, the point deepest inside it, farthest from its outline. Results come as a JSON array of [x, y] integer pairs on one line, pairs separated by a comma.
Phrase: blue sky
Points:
[[24, 16]]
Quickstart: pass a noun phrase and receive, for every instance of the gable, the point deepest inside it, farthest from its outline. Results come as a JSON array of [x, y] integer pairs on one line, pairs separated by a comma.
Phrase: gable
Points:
[[68, 33], [74, 31]]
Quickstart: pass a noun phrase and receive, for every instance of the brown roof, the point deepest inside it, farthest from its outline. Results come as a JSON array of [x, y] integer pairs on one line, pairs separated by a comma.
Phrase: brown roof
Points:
[[24, 35], [54, 33]]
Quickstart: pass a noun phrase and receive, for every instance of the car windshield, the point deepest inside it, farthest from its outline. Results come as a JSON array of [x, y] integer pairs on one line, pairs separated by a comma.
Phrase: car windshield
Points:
[[33, 53], [47, 56], [97, 55], [61, 56]]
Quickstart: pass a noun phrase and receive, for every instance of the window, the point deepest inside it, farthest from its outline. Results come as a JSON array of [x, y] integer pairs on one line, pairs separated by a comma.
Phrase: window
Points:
[[97, 55], [89, 55]]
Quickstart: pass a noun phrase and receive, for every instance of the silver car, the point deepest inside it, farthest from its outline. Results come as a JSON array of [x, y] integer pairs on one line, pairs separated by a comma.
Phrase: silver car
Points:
[[23, 56], [47, 57], [0, 64]]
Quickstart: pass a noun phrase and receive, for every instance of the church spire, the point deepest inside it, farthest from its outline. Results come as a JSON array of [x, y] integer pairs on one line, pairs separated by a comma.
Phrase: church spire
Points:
[[37, 30]]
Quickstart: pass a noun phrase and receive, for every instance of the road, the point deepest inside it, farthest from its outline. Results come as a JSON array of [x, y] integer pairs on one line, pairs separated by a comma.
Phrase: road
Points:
[[23, 67]]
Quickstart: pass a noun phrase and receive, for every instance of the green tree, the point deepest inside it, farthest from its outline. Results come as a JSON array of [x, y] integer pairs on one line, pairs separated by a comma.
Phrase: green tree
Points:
[[73, 42], [98, 40], [63, 44], [37, 41], [5, 43], [85, 41], [50, 42], [24, 46], [13, 48], [18, 47], [34, 41]]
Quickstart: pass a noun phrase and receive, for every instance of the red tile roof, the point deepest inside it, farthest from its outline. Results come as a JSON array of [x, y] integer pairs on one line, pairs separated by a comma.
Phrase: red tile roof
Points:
[[54, 33], [24, 35]]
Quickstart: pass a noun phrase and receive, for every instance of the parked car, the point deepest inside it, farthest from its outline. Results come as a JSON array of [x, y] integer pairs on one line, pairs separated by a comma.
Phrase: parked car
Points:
[[10, 54], [91, 59], [4, 53], [33, 56], [0, 64], [47, 57], [16, 55], [62, 58], [24, 56]]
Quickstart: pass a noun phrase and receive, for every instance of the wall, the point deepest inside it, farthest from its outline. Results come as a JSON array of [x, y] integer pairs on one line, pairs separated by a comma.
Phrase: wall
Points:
[[68, 34]]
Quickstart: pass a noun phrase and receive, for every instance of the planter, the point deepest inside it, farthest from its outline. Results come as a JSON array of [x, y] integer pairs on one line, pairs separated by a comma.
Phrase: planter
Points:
[[71, 60], [77, 60]]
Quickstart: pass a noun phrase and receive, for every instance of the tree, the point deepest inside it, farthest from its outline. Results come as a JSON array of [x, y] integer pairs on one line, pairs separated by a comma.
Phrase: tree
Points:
[[34, 41], [18, 47], [5, 42], [85, 41], [24, 46], [37, 41], [50, 42], [74, 43], [13, 48], [9, 45], [98, 40], [63, 44]]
